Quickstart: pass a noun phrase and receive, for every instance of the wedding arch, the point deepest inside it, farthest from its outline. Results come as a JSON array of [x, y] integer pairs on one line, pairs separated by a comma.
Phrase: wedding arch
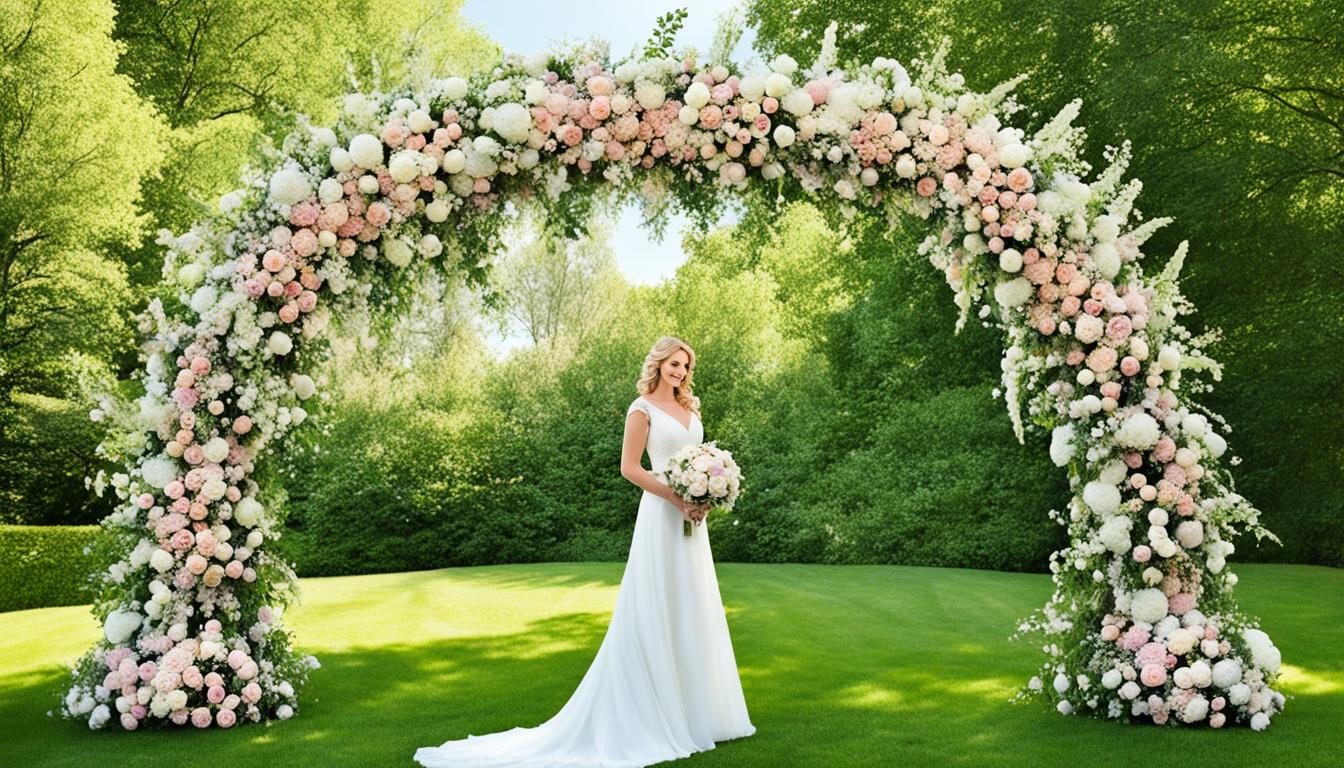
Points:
[[341, 220]]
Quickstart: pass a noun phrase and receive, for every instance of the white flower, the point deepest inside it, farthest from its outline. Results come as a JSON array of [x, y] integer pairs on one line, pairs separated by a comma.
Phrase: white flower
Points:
[[1169, 358], [1190, 533], [419, 121], [1114, 534], [1216, 444], [1148, 605], [455, 88], [1263, 653], [397, 252], [1226, 673], [203, 299], [1061, 682], [697, 95], [405, 166], [905, 167], [367, 151], [784, 64], [1014, 155], [1088, 329], [1101, 498], [1107, 259], [454, 161], [784, 135], [1129, 690], [650, 95], [1010, 260], [430, 246], [161, 561], [247, 511], [1259, 721], [190, 274], [101, 714], [214, 489], [1139, 431], [1013, 293], [120, 625], [1181, 641], [289, 185], [1064, 707], [279, 343], [1111, 679], [1061, 444], [216, 449], [513, 122], [797, 102], [1196, 710], [284, 711], [158, 472]]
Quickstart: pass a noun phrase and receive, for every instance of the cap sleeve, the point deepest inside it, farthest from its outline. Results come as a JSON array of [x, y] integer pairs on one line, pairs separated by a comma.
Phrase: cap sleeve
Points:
[[639, 405]]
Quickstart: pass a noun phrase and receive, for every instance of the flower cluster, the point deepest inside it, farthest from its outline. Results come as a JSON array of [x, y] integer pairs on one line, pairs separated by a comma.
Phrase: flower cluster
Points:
[[342, 221], [704, 473]]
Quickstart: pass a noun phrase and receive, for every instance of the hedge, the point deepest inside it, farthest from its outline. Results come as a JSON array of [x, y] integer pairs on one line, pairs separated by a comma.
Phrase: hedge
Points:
[[42, 566]]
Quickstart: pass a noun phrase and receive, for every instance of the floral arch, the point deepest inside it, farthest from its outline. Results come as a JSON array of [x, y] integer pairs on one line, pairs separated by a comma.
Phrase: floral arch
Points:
[[1142, 624]]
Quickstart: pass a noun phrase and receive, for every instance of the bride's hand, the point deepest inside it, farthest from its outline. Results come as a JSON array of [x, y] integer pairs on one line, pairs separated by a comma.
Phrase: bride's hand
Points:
[[701, 511]]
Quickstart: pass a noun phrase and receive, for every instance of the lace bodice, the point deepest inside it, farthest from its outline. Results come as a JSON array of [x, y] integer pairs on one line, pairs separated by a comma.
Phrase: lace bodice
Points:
[[666, 434]]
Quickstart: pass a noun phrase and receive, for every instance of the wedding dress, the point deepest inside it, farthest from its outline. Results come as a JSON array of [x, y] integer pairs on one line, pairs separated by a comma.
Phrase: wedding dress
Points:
[[664, 683]]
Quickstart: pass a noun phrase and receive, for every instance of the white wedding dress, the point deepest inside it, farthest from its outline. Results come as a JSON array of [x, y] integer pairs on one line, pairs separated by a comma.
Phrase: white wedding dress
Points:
[[664, 683]]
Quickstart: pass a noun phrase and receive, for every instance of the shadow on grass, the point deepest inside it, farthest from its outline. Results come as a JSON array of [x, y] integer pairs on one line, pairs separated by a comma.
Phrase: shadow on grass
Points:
[[841, 666]]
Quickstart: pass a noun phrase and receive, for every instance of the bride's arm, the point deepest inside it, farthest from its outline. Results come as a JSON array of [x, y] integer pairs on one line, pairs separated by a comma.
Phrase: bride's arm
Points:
[[636, 437]]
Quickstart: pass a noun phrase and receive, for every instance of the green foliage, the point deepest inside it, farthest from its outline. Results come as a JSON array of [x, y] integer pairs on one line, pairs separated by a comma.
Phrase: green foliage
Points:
[[664, 34], [1235, 113], [47, 565], [57, 437]]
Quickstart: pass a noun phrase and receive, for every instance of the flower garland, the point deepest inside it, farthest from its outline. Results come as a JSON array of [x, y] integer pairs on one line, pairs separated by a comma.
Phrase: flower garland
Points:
[[348, 219]]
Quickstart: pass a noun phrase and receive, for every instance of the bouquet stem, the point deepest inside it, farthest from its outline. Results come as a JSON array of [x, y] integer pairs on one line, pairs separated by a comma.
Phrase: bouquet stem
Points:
[[686, 527]]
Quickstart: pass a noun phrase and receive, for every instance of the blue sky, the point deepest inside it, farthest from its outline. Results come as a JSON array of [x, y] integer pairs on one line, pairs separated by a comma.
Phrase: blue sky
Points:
[[531, 26]]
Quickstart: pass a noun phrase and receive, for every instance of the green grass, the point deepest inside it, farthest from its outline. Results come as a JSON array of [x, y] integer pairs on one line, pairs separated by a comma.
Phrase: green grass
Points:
[[841, 665]]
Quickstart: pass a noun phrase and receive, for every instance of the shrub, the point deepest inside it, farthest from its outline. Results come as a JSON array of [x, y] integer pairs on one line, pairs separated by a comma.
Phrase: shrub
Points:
[[43, 566]]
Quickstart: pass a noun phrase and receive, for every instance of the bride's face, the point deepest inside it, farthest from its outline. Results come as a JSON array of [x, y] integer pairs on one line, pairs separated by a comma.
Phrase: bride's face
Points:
[[676, 368]]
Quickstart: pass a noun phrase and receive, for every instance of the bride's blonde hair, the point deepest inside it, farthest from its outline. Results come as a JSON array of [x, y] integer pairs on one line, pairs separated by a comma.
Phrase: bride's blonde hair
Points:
[[662, 349]]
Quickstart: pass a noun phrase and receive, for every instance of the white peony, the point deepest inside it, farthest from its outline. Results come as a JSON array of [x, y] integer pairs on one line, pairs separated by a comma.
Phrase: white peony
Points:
[[1169, 358], [454, 160], [777, 84], [1102, 498], [1216, 444], [784, 135], [216, 449], [1129, 690], [1013, 293], [1196, 710], [1061, 682], [752, 87], [367, 151], [1061, 444], [1114, 534], [397, 252], [159, 472], [1014, 155], [1148, 605], [1190, 533], [120, 625], [797, 102], [455, 88], [437, 211], [784, 64], [279, 343], [1088, 329], [513, 122], [247, 511], [430, 246], [697, 95], [419, 121], [1112, 679], [404, 166], [1107, 259], [1181, 641], [1263, 653], [284, 711], [203, 299], [329, 191], [1226, 673], [161, 561], [650, 95], [1259, 721], [289, 185], [101, 714], [1139, 431]]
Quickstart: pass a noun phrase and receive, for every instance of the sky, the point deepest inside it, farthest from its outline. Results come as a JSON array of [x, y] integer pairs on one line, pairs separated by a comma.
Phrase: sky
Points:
[[530, 26]]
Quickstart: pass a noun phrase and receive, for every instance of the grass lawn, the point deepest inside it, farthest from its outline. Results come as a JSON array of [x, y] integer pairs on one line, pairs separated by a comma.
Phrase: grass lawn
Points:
[[842, 666]]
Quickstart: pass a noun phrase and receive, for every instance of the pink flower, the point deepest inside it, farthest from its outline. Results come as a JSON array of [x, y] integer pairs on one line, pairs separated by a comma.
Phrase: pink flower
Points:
[[129, 722], [1165, 450], [378, 214], [1135, 638], [226, 718], [769, 105], [1119, 327], [1142, 553], [926, 186], [234, 569], [236, 658], [1181, 603], [242, 425], [393, 134], [1019, 180], [196, 564], [1217, 720], [182, 540], [1151, 653], [215, 694], [273, 261], [1102, 359], [1153, 675], [304, 242], [600, 108], [1129, 366], [191, 677], [711, 116]]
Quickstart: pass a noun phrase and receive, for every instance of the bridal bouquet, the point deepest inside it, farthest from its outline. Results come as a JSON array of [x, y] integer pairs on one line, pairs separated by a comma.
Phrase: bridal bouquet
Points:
[[704, 473]]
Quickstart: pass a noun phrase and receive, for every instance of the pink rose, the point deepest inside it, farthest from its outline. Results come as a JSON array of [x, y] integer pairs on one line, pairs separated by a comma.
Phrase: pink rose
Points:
[[393, 134], [215, 694], [234, 569], [191, 677], [251, 693], [1153, 675], [196, 564], [226, 718], [926, 186], [1102, 359], [378, 214], [200, 717]]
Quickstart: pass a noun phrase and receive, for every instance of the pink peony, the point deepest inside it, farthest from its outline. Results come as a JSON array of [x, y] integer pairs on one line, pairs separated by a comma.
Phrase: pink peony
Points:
[[129, 722], [215, 694], [1153, 675], [926, 186], [1135, 638], [226, 718], [1181, 603]]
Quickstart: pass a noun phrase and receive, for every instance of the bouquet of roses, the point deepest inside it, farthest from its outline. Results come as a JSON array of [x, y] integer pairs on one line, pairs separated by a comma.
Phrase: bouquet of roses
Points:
[[704, 473]]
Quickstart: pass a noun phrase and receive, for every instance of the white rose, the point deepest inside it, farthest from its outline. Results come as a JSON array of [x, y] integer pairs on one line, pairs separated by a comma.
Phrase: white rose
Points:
[[216, 449], [650, 95], [367, 151], [158, 472], [1259, 721], [1139, 431], [1061, 445], [405, 166], [513, 122], [397, 252], [247, 511], [329, 191], [1013, 293], [1101, 498], [797, 102], [279, 343], [1148, 605], [697, 95], [1129, 691], [1014, 155], [289, 185], [120, 625], [455, 88], [1061, 682], [176, 699]]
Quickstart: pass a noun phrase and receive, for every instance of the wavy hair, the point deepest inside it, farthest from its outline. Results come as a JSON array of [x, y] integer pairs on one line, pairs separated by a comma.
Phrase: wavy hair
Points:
[[662, 349]]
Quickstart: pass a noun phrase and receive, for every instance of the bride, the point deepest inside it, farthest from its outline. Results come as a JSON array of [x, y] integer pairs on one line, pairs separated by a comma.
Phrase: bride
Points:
[[664, 683]]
